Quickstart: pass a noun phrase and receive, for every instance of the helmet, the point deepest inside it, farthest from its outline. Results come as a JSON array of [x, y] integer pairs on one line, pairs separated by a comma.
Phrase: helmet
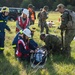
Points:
[[27, 32], [5, 9], [25, 11]]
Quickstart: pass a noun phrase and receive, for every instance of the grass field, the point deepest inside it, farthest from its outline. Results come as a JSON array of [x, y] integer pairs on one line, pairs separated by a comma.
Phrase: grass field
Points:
[[55, 65]]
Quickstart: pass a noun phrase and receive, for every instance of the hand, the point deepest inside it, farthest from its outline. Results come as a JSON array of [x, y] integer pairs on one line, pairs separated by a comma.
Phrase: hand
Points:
[[36, 50], [31, 51]]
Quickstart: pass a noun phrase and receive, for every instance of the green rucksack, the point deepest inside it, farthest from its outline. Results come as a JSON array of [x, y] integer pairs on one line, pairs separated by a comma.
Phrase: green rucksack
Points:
[[71, 22]]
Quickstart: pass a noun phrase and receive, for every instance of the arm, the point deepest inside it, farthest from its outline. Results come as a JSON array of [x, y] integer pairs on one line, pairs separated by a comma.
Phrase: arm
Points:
[[17, 25], [48, 43], [7, 27], [22, 50], [64, 19]]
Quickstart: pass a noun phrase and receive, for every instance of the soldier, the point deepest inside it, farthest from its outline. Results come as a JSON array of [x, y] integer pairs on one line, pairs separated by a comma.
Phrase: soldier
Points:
[[66, 20], [38, 16], [52, 42], [43, 18]]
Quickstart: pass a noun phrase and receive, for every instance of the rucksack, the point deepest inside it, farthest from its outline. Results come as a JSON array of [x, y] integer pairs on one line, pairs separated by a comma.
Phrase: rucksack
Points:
[[70, 24], [72, 14]]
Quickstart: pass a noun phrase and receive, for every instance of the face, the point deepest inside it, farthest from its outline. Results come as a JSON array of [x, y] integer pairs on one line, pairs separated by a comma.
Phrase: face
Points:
[[6, 13], [24, 16], [61, 10], [27, 37]]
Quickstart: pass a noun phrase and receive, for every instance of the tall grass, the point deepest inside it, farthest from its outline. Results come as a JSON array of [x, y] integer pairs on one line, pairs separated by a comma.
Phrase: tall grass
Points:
[[55, 65]]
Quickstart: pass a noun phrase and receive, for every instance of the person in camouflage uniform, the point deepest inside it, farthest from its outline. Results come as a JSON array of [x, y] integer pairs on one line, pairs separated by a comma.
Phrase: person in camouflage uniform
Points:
[[52, 43], [43, 17], [69, 32]]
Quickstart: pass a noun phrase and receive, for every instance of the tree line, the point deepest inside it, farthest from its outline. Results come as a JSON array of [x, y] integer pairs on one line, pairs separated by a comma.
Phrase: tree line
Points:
[[38, 3]]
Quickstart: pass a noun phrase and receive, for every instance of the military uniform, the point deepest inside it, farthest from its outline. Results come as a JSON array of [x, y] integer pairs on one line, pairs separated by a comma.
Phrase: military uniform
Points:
[[69, 33], [67, 25], [53, 43], [43, 17]]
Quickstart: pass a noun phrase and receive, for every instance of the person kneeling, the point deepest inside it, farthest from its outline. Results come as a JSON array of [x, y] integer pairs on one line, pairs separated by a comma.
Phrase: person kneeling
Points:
[[23, 51]]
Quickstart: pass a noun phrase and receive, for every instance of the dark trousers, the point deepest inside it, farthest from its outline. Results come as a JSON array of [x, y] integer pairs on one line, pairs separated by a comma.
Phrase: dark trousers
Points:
[[44, 25], [1, 45]]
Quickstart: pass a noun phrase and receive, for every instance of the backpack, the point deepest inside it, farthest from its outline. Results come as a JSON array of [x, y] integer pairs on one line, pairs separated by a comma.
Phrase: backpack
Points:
[[70, 24]]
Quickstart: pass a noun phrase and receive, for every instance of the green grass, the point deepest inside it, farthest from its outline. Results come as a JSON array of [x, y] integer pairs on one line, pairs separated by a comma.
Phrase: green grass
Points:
[[55, 65]]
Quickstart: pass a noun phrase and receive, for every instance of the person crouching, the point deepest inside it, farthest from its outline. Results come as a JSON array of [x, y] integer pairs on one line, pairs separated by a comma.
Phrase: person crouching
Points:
[[23, 52]]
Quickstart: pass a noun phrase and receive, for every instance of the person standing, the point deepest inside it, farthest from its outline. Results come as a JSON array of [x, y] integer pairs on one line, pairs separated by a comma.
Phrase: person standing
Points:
[[32, 14], [23, 21], [66, 21], [43, 17], [3, 25]]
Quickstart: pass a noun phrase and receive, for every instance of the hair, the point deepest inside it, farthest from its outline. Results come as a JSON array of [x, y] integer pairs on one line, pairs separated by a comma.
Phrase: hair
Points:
[[42, 36], [24, 38]]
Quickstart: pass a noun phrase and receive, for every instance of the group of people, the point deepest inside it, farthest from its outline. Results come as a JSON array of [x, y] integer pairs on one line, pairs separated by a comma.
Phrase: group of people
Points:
[[24, 43]]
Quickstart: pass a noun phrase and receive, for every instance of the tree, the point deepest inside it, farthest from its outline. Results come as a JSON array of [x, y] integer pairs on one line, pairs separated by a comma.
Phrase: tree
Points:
[[25, 3]]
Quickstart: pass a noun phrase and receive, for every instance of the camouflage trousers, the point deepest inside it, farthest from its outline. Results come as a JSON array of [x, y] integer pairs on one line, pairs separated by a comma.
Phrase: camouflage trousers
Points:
[[69, 35], [44, 25]]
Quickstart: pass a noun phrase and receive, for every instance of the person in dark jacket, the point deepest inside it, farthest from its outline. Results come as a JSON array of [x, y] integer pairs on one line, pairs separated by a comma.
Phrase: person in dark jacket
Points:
[[3, 25], [32, 44], [25, 46]]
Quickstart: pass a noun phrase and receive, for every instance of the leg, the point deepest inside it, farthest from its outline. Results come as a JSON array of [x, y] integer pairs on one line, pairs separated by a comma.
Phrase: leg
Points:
[[69, 35], [47, 29], [42, 27], [1, 45]]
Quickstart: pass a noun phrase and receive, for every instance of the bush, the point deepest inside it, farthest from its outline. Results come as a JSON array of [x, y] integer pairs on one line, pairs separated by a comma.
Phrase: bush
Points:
[[25, 3], [70, 7]]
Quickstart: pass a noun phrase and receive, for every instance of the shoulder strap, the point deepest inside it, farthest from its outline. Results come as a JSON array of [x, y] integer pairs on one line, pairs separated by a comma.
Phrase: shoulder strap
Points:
[[21, 41]]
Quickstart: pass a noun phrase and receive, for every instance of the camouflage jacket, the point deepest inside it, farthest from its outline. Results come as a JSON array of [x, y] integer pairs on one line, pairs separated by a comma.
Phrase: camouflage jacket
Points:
[[52, 41], [66, 20], [43, 16]]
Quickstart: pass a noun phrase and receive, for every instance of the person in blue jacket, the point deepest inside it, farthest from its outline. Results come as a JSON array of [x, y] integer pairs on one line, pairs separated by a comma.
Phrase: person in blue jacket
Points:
[[25, 46], [32, 44], [3, 25]]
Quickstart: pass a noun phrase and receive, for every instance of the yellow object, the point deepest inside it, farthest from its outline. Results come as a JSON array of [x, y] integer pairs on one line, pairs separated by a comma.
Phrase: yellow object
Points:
[[5, 9], [32, 28], [1, 48], [21, 31]]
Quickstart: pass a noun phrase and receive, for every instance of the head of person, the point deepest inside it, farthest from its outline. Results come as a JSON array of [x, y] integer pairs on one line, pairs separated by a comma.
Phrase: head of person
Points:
[[60, 8], [26, 34], [5, 11], [41, 9], [30, 6], [46, 8], [42, 36], [25, 13]]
